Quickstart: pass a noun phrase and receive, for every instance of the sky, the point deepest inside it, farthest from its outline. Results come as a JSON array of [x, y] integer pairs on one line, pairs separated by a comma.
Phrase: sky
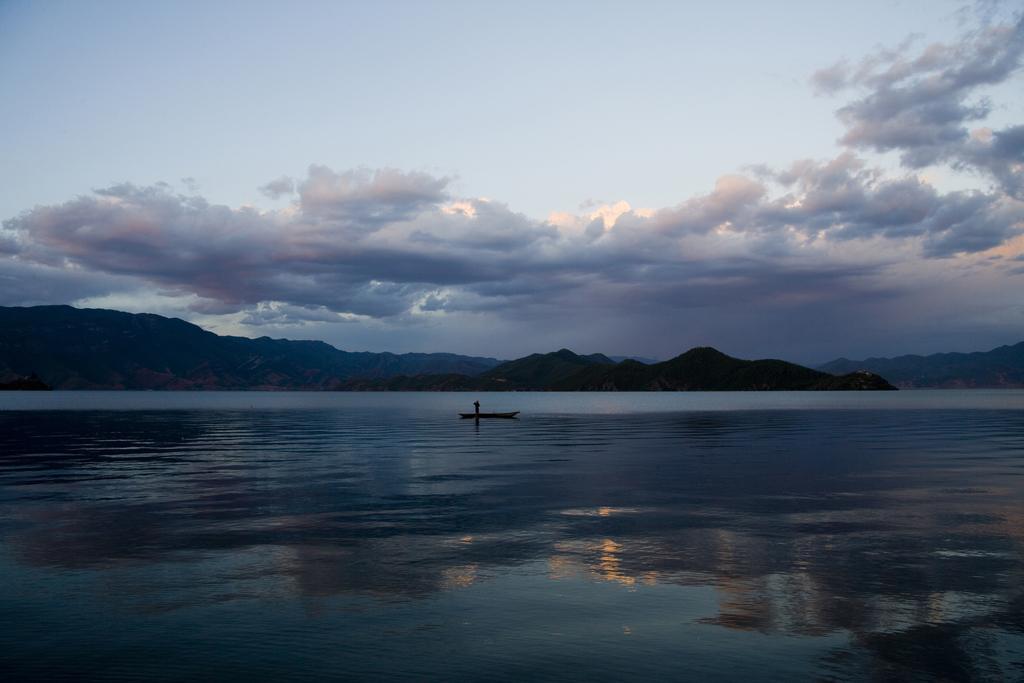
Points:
[[795, 180]]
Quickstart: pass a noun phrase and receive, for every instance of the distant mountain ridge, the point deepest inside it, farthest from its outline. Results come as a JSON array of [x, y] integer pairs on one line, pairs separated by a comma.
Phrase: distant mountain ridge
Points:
[[707, 369], [539, 370], [641, 359], [70, 348], [700, 369], [1001, 368], [531, 373], [30, 383]]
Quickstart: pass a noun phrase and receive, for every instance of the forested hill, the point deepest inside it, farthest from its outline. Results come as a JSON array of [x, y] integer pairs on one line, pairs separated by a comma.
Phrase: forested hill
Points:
[[700, 369], [538, 371], [707, 369], [70, 348], [1001, 368]]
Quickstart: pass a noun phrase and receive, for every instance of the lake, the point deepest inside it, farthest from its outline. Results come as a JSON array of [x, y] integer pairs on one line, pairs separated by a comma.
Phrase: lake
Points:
[[598, 537]]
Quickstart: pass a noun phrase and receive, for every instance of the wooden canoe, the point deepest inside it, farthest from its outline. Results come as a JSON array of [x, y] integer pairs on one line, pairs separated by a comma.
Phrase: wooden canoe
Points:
[[506, 415]]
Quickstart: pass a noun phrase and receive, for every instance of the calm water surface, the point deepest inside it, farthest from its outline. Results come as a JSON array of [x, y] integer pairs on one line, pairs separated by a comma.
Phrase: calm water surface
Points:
[[607, 537]]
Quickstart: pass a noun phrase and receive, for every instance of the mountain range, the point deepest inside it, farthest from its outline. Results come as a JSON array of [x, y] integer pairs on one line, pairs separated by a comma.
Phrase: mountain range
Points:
[[700, 369], [70, 348], [535, 372], [1001, 368]]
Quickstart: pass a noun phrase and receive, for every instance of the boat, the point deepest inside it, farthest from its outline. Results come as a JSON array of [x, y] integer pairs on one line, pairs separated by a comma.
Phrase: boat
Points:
[[512, 414], [478, 414]]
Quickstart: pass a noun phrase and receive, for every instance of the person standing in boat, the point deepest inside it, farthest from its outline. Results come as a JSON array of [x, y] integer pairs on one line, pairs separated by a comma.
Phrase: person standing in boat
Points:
[[478, 414]]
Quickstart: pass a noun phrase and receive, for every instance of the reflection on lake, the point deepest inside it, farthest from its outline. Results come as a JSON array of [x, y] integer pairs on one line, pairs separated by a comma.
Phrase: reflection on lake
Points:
[[343, 538]]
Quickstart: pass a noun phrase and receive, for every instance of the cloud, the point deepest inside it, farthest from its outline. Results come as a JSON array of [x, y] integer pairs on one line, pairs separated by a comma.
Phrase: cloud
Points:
[[372, 244], [286, 315], [798, 243], [733, 202], [921, 106], [33, 284], [366, 200], [842, 199], [276, 189], [1000, 153]]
